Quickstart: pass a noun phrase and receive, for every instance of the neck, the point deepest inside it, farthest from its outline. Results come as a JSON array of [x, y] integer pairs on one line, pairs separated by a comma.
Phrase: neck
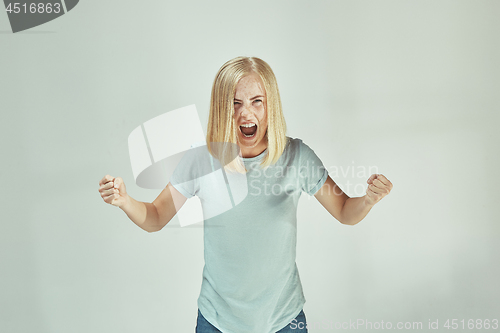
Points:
[[253, 151]]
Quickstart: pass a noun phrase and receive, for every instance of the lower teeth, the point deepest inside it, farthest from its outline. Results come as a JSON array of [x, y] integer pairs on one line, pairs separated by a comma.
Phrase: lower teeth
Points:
[[248, 136]]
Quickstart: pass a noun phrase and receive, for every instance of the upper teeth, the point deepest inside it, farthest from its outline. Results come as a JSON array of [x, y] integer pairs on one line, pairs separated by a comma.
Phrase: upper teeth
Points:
[[248, 125]]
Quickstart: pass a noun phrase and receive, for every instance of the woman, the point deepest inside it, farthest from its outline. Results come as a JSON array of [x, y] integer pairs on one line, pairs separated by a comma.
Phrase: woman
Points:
[[250, 279]]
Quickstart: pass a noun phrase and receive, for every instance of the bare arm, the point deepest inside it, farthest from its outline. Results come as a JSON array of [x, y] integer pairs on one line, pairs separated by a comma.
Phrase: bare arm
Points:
[[154, 216], [355, 210], [332, 198], [148, 216], [352, 210]]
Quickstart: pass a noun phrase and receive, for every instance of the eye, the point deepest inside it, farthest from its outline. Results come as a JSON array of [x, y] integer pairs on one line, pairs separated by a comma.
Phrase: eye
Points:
[[258, 100], [236, 103]]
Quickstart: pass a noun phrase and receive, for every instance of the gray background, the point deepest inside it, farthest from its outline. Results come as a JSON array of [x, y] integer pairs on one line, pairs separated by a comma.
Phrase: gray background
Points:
[[406, 86]]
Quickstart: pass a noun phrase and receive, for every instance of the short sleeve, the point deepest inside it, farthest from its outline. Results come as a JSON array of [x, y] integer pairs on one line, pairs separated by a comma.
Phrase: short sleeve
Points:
[[185, 177], [312, 173]]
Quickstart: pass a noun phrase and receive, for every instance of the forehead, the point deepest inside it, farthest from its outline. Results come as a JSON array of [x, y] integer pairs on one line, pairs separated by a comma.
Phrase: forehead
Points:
[[250, 84]]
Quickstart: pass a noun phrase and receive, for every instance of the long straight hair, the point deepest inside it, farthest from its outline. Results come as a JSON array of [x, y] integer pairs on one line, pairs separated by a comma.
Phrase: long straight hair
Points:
[[221, 124]]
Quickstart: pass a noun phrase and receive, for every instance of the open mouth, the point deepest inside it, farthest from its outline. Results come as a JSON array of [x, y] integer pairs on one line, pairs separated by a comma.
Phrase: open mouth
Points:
[[248, 130]]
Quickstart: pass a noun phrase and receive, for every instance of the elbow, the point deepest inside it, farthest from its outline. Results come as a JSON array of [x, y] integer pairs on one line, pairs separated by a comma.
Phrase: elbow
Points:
[[155, 229], [349, 222], [149, 230], [152, 229], [352, 223], [158, 222]]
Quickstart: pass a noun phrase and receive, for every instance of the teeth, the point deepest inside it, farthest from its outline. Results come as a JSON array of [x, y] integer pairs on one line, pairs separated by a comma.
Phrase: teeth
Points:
[[248, 125]]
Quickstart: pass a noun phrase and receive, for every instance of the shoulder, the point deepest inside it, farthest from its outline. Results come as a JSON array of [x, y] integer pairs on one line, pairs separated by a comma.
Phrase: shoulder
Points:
[[293, 143], [296, 151], [194, 162], [304, 152], [198, 144], [298, 145]]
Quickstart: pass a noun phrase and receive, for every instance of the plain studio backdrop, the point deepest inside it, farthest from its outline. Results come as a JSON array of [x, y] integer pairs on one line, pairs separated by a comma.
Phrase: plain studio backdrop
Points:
[[406, 87]]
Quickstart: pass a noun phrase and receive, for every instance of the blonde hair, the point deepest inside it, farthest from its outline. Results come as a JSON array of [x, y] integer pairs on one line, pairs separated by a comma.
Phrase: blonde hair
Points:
[[221, 126]]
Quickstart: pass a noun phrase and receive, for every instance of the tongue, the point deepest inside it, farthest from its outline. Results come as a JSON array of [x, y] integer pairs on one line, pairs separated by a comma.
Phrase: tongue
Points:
[[249, 130]]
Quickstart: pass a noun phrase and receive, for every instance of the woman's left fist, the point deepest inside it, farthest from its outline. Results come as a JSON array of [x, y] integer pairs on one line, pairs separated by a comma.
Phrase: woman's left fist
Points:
[[378, 187]]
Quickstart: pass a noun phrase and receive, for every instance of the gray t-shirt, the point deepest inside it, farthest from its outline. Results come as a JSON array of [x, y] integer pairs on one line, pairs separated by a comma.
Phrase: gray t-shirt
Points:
[[250, 279]]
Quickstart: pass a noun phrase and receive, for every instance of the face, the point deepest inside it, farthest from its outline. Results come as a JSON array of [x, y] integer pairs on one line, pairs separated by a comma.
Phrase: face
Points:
[[250, 115]]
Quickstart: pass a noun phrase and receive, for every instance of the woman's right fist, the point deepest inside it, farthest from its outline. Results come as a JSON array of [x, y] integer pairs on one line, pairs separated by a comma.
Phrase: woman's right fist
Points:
[[113, 190]]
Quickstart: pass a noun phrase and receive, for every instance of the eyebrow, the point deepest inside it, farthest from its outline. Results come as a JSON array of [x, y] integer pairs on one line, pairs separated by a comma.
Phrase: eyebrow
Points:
[[250, 98]]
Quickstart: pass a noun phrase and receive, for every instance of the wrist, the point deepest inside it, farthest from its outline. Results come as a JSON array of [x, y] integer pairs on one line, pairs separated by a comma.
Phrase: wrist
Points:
[[126, 203], [368, 201]]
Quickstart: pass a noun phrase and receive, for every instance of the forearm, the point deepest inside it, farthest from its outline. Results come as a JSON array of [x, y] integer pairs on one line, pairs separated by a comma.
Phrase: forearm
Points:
[[354, 210], [143, 214]]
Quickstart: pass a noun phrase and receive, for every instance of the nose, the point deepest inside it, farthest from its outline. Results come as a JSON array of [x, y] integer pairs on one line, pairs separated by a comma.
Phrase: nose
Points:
[[245, 110]]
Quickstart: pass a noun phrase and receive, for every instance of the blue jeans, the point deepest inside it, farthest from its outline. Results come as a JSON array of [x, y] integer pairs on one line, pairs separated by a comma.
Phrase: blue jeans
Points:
[[297, 325]]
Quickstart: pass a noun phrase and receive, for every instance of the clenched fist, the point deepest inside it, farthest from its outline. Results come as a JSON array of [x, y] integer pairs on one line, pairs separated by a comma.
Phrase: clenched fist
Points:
[[378, 187], [113, 190]]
